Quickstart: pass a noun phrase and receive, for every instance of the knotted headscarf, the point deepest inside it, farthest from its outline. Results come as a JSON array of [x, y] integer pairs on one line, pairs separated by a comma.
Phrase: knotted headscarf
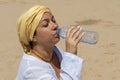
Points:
[[27, 24]]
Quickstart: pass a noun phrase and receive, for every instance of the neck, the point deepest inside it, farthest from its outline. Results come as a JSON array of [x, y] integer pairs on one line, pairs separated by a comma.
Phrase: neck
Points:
[[44, 53]]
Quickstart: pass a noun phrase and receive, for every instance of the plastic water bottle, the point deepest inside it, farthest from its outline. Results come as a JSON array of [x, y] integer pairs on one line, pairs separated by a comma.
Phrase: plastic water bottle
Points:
[[90, 37]]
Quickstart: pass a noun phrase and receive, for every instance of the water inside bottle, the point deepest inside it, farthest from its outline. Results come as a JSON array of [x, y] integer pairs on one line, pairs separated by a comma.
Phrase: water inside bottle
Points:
[[89, 37]]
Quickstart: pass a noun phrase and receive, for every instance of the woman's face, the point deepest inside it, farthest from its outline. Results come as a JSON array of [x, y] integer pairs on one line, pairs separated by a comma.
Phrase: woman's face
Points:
[[46, 31]]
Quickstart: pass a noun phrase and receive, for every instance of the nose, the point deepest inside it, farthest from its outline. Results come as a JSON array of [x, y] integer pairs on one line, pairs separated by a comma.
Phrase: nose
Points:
[[54, 26]]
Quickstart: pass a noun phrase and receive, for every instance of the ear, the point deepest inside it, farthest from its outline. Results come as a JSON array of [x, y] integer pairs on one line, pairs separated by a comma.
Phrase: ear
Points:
[[34, 38]]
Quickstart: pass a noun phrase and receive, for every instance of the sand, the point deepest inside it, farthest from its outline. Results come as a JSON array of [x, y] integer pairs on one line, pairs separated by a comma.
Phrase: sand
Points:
[[101, 61]]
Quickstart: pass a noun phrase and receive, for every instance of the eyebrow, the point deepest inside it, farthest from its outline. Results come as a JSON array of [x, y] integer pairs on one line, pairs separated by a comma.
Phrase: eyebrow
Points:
[[45, 20]]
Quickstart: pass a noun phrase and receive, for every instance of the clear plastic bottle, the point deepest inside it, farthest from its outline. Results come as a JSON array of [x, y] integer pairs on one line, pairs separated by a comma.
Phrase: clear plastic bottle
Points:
[[90, 37]]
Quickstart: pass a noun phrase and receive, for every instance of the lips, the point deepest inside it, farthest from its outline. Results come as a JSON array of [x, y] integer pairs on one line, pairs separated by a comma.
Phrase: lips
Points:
[[56, 35]]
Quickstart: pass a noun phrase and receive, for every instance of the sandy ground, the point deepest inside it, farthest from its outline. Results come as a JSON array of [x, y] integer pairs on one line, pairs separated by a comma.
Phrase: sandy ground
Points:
[[101, 61]]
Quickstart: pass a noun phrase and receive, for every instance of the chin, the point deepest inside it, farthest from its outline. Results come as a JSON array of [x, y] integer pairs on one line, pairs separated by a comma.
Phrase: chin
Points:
[[57, 40]]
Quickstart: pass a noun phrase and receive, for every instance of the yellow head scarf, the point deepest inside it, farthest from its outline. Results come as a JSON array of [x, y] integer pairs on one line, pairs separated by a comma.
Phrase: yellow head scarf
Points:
[[27, 24]]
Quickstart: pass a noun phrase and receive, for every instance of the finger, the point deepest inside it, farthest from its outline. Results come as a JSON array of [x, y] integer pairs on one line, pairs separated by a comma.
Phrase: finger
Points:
[[77, 33], [69, 31], [74, 31], [80, 37]]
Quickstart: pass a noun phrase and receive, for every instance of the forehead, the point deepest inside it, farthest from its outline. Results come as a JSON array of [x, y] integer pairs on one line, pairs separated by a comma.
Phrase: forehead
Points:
[[47, 15]]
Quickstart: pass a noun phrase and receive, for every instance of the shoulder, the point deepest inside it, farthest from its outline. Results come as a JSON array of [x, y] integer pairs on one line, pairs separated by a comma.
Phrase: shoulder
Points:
[[32, 61], [35, 68], [38, 73], [30, 64]]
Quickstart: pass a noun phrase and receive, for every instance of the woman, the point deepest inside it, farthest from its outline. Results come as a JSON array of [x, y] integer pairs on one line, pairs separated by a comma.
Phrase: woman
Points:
[[42, 60]]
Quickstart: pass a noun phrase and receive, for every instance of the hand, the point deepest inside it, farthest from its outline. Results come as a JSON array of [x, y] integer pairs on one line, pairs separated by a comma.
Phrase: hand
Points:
[[73, 37]]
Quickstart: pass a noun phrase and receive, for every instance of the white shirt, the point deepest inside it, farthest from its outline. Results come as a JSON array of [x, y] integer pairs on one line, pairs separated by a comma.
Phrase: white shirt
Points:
[[32, 68]]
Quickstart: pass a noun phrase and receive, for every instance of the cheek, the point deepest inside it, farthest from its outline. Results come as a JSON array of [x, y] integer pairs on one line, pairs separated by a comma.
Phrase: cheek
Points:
[[44, 36]]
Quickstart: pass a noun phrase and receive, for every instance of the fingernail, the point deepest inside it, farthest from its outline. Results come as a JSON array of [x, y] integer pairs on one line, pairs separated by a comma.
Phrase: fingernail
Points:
[[78, 26]]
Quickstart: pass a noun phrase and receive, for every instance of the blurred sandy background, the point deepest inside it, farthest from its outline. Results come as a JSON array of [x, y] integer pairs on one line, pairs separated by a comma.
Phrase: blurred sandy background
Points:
[[101, 61]]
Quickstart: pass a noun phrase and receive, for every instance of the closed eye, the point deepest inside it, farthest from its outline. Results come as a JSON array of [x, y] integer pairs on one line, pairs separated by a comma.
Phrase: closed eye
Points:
[[45, 22]]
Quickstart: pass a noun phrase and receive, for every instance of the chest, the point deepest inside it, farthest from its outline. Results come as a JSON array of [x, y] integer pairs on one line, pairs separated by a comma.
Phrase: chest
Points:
[[56, 65]]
